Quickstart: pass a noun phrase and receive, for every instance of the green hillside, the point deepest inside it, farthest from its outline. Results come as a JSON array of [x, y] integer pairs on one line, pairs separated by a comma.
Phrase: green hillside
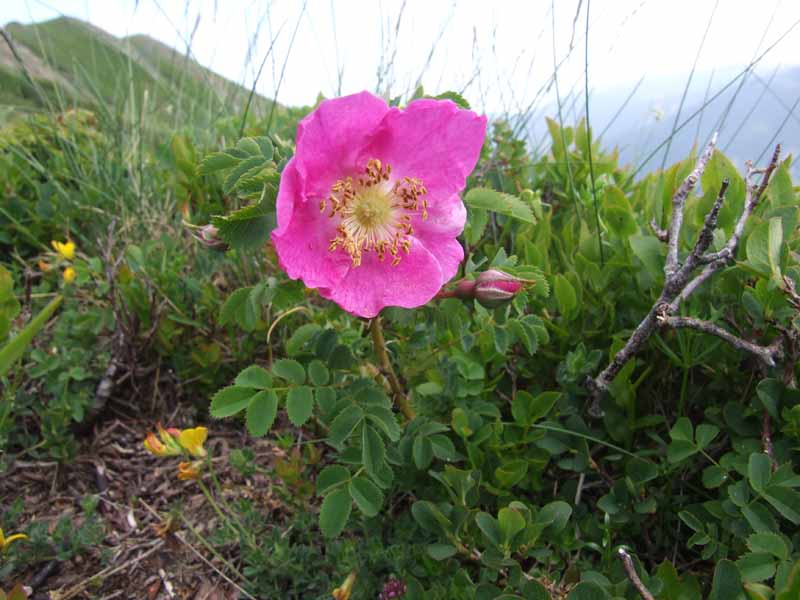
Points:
[[74, 63]]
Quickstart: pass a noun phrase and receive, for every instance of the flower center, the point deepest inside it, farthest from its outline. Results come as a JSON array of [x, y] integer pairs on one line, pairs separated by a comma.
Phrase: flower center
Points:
[[375, 212]]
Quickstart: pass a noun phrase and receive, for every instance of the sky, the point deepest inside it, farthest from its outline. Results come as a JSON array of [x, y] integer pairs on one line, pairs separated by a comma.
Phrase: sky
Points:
[[499, 54]]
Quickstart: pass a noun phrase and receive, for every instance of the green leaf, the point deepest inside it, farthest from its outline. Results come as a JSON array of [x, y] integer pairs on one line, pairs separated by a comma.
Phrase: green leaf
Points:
[[791, 589], [727, 584], [714, 476], [768, 543], [217, 161], [300, 337], [367, 496], [331, 477], [587, 590], [565, 295], [682, 430], [9, 305], [511, 522], [318, 373], [249, 145], [527, 409], [617, 213], [443, 447], [15, 347], [373, 451], [649, 250], [499, 202], [243, 167], [511, 472], [261, 412], [555, 515], [785, 501], [386, 421], [290, 370], [490, 528], [756, 567], [234, 304], [422, 452], [680, 450], [230, 400], [254, 377], [758, 254], [335, 511], [299, 404], [344, 424], [266, 147], [759, 471], [245, 228], [774, 246], [440, 551], [705, 434], [455, 97]]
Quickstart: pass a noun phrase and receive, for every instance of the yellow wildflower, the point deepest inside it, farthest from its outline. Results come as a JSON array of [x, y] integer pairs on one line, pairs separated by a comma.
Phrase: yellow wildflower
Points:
[[65, 250], [69, 275], [189, 471], [192, 440], [5, 542], [343, 592]]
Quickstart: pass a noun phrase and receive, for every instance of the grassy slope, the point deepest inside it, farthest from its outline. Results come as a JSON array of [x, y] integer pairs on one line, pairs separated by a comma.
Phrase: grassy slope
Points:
[[90, 67]]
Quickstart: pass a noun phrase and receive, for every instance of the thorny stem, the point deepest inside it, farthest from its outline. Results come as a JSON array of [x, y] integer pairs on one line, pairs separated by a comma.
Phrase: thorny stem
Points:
[[379, 341]]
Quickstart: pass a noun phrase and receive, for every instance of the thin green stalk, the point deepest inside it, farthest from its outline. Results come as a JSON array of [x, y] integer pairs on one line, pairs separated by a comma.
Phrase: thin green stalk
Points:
[[213, 550], [589, 140]]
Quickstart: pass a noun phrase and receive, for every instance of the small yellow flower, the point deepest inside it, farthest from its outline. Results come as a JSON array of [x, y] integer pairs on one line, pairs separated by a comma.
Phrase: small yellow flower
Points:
[[69, 275], [192, 440], [65, 250], [189, 471], [343, 592], [5, 542]]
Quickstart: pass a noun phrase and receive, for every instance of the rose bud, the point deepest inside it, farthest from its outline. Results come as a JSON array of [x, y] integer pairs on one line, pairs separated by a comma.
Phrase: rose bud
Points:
[[208, 235], [494, 288]]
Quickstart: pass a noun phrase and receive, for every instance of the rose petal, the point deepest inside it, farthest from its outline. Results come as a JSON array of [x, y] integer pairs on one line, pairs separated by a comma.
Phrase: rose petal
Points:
[[304, 234], [330, 139], [432, 140], [368, 288]]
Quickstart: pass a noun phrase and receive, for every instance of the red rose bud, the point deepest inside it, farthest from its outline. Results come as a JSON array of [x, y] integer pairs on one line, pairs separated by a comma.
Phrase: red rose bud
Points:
[[494, 288]]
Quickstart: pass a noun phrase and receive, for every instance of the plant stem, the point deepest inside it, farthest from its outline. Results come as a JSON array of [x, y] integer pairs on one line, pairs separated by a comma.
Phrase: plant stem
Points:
[[386, 366]]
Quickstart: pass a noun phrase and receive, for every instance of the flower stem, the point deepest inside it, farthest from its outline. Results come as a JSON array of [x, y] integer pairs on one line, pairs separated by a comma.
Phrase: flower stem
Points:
[[400, 397]]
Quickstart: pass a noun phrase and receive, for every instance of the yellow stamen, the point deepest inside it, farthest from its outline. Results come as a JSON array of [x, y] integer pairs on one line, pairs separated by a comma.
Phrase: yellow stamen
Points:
[[375, 212]]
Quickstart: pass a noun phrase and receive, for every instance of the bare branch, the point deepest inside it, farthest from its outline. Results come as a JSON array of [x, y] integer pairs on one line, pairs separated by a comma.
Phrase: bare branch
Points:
[[678, 203], [661, 234], [767, 354], [630, 569], [679, 282], [706, 235]]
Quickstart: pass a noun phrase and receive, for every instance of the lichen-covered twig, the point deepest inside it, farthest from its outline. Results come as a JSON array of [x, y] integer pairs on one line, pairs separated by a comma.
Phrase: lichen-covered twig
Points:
[[680, 280]]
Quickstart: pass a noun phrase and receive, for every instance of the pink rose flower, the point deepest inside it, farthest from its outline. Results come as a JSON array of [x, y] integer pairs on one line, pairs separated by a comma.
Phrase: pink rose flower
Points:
[[369, 208]]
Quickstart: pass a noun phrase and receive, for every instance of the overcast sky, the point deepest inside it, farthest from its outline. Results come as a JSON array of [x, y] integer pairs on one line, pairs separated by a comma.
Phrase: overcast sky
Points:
[[498, 53]]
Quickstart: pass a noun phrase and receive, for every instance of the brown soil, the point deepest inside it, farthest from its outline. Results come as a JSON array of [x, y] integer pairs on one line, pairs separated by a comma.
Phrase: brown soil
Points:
[[148, 552]]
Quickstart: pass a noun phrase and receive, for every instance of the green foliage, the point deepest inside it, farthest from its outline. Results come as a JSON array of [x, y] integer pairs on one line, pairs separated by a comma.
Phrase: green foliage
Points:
[[501, 486]]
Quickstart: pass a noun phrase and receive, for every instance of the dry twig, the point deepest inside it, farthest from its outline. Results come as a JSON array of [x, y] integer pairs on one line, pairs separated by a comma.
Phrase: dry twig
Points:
[[630, 569], [680, 280]]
